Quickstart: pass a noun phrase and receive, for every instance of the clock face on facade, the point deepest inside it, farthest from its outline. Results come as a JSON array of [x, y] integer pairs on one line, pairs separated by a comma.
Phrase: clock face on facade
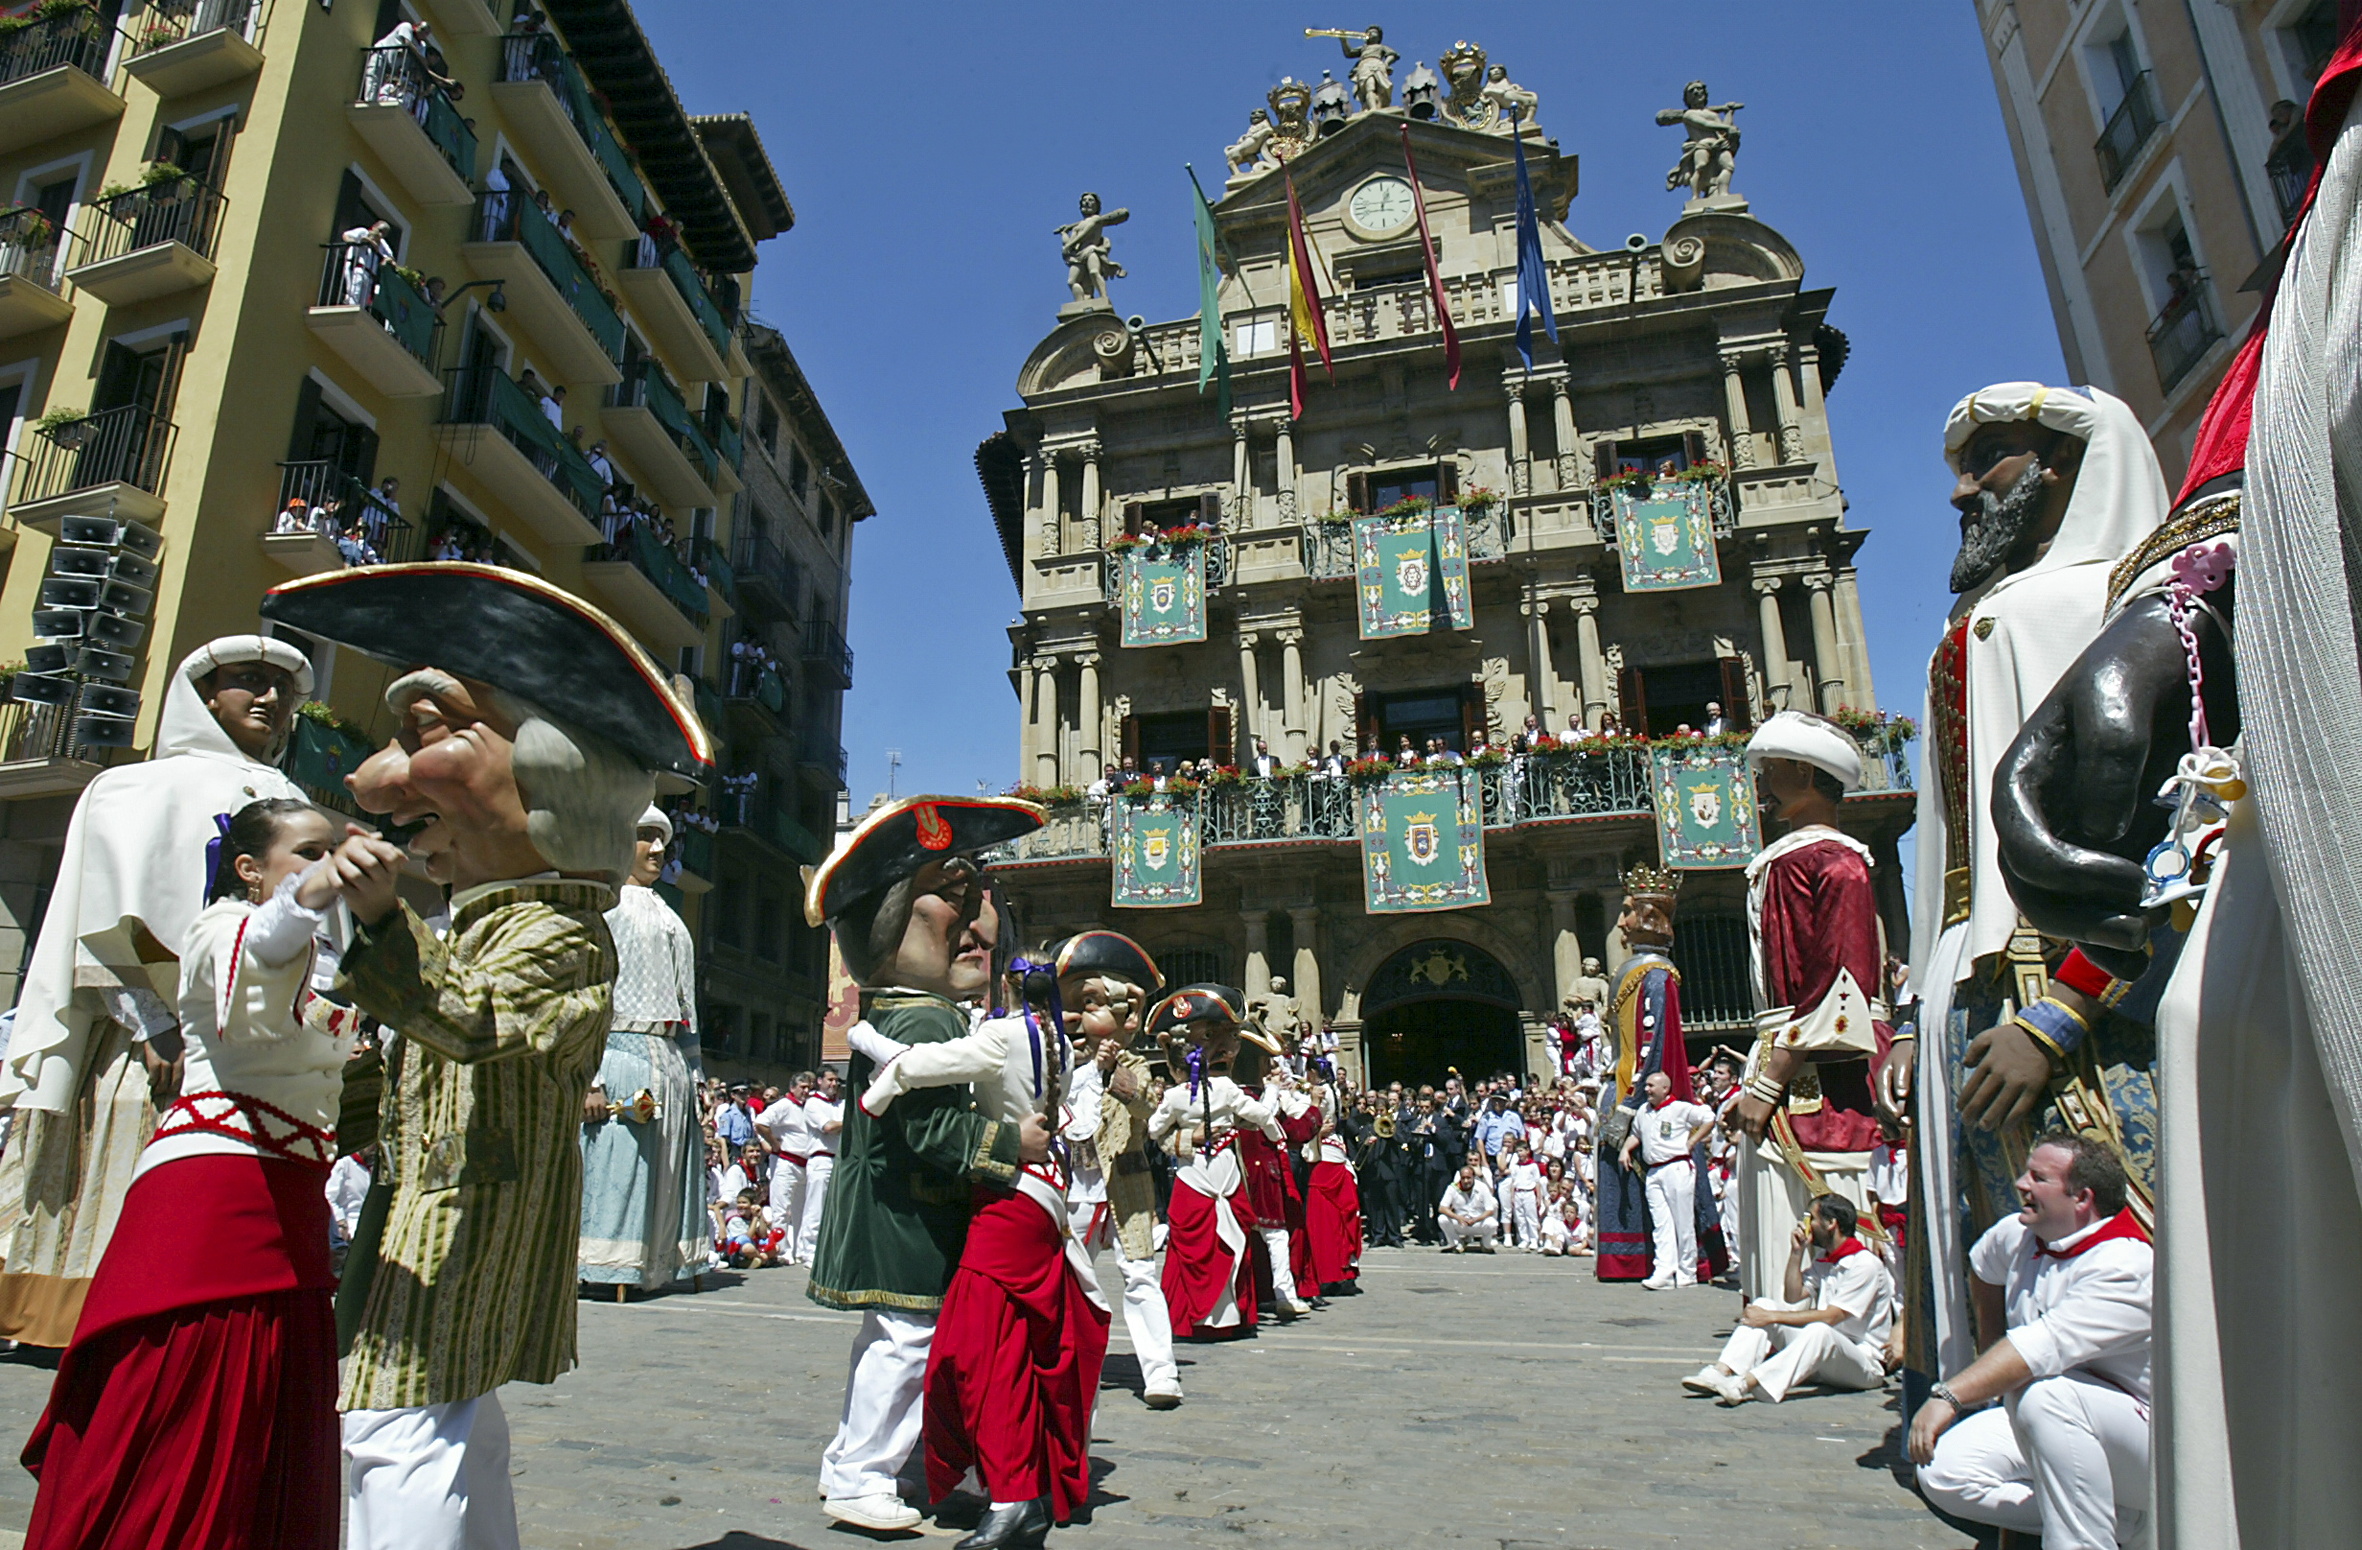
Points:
[[1380, 205]]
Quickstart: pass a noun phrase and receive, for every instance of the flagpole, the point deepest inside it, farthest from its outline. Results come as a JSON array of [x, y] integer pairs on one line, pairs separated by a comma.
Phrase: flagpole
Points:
[[1238, 271]]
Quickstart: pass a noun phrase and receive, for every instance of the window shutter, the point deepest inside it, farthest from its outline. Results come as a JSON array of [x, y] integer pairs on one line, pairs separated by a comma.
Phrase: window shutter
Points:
[[1132, 510], [118, 378], [1693, 448], [1734, 695], [360, 453], [1357, 492], [1632, 694], [1209, 509], [1603, 458], [1363, 731], [1221, 743], [1131, 741], [307, 410], [1471, 715], [1447, 482]]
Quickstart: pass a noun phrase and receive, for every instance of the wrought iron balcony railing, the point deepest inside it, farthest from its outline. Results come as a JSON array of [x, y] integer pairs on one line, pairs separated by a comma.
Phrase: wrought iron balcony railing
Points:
[[824, 647], [74, 37], [2129, 128], [646, 385], [641, 548], [539, 56], [129, 445], [484, 395], [327, 500], [397, 77], [650, 253], [1328, 541], [358, 275], [2184, 332], [767, 579], [510, 215], [182, 210], [29, 246], [176, 21]]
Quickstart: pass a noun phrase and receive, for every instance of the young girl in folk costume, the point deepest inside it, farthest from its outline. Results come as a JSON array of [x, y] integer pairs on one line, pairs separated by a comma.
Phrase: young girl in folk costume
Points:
[[1209, 1277], [1332, 1203], [196, 1405], [1282, 1257], [1013, 1372]]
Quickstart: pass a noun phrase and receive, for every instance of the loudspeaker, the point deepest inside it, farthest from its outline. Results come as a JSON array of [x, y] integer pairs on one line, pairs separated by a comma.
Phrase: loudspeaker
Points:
[[116, 631], [91, 662], [99, 531], [41, 689], [69, 592], [139, 572], [79, 560], [124, 598], [103, 731], [45, 659], [108, 700], [141, 540], [57, 623]]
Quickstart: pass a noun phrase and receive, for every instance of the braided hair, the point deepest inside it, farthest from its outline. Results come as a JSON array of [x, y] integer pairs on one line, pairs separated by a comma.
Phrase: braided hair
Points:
[[251, 831]]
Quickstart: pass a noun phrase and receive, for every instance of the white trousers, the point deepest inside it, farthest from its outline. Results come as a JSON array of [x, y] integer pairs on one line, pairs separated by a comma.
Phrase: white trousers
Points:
[[1528, 1210], [884, 1387], [1784, 1356], [1147, 1320], [1673, 1218], [1456, 1233], [1283, 1266], [787, 1200], [817, 1173], [2067, 1458], [430, 1477]]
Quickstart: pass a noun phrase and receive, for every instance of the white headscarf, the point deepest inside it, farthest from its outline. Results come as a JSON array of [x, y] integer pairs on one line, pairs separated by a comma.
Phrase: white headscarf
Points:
[[656, 818], [2119, 494], [135, 850]]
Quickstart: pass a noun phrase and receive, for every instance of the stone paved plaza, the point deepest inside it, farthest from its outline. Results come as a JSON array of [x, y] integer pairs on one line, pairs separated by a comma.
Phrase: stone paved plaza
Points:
[[1508, 1403]]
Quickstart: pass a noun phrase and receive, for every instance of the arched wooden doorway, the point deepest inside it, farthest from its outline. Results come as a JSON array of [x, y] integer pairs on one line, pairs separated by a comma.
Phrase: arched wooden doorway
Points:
[[1437, 1005]]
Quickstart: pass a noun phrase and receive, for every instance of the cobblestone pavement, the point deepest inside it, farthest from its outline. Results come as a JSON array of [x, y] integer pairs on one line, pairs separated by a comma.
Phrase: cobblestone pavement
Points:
[[1507, 1403]]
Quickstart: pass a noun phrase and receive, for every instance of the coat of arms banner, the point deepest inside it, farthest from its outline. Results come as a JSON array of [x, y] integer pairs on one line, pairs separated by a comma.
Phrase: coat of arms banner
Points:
[[1164, 595], [1411, 566], [1666, 538], [1705, 805], [1156, 851], [1422, 842]]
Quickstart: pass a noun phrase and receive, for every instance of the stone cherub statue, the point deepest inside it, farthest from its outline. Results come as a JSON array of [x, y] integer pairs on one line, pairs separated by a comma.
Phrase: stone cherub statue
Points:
[[1281, 1016], [1252, 149], [1512, 102], [1083, 244], [1590, 986], [1710, 148]]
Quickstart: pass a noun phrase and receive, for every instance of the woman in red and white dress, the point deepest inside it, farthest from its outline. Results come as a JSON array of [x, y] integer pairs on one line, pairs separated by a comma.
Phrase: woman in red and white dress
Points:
[[196, 1405], [1209, 1278], [1332, 1211]]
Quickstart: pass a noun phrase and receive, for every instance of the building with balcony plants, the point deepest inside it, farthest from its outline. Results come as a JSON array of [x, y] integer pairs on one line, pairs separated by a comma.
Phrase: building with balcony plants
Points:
[[2162, 154], [1689, 373], [284, 284]]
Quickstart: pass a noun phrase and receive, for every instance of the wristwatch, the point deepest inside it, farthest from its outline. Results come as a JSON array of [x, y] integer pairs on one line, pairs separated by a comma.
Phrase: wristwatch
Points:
[[1943, 1391]]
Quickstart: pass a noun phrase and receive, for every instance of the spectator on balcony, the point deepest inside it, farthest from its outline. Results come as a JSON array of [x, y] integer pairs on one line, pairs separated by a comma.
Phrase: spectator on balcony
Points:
[[1611, 725], [553, 408], [1405, 755], [547, 206], [1333, 763], [565, 225], [1265, 763], [1102, 788], [1684, 730], [354, 546], [397, 66], [600, 464], [295, 517], [1716, 723], [1532, 738], [365, 248], [433, 290], [496, 203]]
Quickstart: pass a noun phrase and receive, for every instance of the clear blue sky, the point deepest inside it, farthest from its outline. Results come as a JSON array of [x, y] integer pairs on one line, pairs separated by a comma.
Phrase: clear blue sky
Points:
[[930, 149]]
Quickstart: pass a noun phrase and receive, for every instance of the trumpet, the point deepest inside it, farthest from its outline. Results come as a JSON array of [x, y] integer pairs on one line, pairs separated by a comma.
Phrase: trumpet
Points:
[[1334, 32]]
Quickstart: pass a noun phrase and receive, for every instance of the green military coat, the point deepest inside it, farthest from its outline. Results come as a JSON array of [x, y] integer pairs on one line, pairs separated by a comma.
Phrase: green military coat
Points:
[[899, 1202]]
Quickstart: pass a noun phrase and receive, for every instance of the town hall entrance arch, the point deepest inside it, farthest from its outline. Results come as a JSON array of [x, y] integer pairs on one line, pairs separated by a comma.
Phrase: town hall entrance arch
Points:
[[1436, 1005]]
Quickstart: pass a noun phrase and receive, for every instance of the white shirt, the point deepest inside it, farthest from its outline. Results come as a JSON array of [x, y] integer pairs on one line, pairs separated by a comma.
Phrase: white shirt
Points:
[[1087, 1181], [784, 1123], [348, 1182], [1890, 1174], [1860, 1283], [1664, 1132], [1524, 1179], [2086, 1313], [1476, 1200], [819, 1111]]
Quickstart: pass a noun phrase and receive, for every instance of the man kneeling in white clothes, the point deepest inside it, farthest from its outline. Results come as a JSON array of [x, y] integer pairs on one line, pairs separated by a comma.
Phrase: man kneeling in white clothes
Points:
[[1829, 1326], [1468, 1214], [2066, 1452]]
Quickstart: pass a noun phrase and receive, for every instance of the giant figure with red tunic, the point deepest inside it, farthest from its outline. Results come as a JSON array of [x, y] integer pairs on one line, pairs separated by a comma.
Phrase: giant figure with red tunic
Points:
[[1821, 1022], [1647, 1022], [1209, 1276]]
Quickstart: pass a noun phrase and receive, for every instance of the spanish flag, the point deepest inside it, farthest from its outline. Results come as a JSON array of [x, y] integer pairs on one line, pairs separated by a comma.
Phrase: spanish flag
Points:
[[1305, 322]]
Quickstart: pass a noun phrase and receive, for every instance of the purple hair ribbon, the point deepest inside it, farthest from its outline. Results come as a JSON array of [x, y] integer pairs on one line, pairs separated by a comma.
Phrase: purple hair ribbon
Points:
[[221, 827]]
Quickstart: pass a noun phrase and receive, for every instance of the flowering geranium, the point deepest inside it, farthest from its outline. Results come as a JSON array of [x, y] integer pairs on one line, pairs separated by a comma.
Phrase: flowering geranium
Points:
[[1369, 769], [1479, 498]]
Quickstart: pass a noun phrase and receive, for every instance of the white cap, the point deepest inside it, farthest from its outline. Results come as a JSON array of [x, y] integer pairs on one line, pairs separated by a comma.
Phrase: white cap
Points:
[[1791, 734], [656, 818], [227, 650]]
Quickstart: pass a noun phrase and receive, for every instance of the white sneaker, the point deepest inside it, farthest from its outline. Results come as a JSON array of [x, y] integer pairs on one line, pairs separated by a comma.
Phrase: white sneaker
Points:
[[1162, 1398], [1682, 1281], [1732, 1391], [1656, 1284], [881, 1510], [1706, 1380]]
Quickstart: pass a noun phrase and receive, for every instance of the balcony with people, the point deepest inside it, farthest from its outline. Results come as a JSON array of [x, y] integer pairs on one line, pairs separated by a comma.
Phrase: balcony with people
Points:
[[503, 434], [32, 290], [2185, 328], [744, 806], [406, 110], [644, 582], [525, 239], [654, 429], [555, 120], [384, 319], [53, 73], [178, 47], [671, 298], [328, 519], [109, 462], [754, 690], [137, 244], [2135, 121]]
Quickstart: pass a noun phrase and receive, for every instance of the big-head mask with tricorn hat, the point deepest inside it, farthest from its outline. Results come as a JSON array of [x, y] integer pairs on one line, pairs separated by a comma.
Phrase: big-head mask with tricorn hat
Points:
[[865, 890]]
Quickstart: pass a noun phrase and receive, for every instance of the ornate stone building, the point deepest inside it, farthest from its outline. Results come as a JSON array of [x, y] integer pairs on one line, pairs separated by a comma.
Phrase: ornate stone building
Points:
[[1700, 348]]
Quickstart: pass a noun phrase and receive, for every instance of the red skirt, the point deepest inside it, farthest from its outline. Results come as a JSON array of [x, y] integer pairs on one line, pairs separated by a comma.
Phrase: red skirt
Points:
[[1198, 1264], [196, 1407], [1013, 1370], [1332, 1224]]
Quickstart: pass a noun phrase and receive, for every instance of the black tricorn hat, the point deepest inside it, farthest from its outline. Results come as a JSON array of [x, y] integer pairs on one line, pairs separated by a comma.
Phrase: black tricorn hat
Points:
[[1110, 953], [513, 631], [902, 837], [1197, 1003]]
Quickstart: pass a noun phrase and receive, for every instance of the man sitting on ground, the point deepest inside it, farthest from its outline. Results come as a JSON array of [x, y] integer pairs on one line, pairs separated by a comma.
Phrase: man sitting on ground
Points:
[[1829, 1326], [1469, 1213], [2066, 1451]]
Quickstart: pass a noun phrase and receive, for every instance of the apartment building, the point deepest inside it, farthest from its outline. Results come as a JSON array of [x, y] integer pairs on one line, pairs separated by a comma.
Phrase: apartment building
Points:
[[2160, 149]]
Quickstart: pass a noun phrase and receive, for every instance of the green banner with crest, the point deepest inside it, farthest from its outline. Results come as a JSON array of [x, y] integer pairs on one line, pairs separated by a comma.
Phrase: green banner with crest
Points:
[[1411, 568], [1422, 842], [1666, 537], [1164, 595], [1155, 847], [1705, 797]]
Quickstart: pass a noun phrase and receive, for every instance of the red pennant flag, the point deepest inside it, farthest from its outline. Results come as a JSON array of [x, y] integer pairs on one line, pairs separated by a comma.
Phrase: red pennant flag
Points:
[[1443, 310], [1305, 320]]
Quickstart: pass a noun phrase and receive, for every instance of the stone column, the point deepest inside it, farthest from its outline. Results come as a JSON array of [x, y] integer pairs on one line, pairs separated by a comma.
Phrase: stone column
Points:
[[1808, 380], [1828, 656], [1305, 975], [1734, 393], [1291, 688], [1025, 738], [1778, 688], [1091, 497], [1791, 433], [1258, 970], [1053, 515], [1566, 949], [1521, 465], [1045, 717], [1542, 689], [1857, 645], [1088, 756], [1562, 424], [1588, 660], [1285, 476], [1242, 468], [1250, 704]]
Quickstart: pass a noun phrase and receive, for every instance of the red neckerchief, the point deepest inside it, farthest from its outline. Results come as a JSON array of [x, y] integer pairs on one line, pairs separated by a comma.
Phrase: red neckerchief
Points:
[[1845, 1246], [2121, 1225]]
